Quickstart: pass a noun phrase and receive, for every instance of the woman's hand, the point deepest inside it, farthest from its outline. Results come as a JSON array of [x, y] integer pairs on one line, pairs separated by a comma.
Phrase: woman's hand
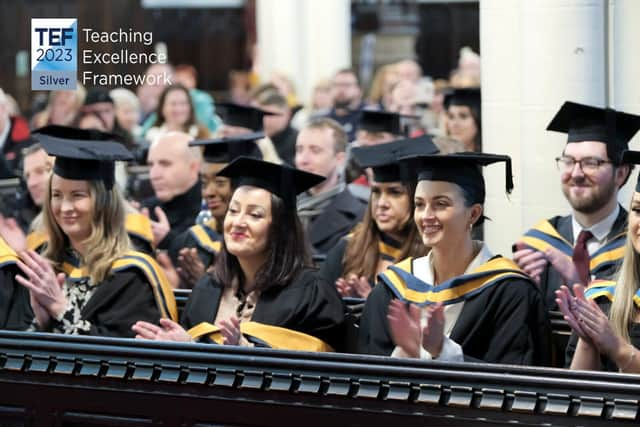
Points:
[[567, 304], [344, 288], [596, 325], [43, 283], [43, 318], [13, 234], [405, 327], [190, 267], [433, 332], [230, 330], [360, 286], [167, 331]]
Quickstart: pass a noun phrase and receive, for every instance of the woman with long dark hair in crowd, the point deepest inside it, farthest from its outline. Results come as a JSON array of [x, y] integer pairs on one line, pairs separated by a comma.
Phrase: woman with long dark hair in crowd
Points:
[[261, 290], [388, 232]]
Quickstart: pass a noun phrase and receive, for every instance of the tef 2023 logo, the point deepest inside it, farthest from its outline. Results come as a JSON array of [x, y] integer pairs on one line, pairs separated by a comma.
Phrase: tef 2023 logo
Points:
[[54, 53]]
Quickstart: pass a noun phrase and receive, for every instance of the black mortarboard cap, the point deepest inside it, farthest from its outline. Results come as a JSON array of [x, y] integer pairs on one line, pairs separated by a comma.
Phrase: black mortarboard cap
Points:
[[96, 95], [242, 115], [224, 150], [633, 158], [281, 180], [384, 121], [588, 123], [383, 159], [462, 169], [463, 96], [82, 154]]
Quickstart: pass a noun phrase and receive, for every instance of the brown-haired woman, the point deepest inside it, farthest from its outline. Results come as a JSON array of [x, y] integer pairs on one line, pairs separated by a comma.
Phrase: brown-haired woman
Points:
[[388, 232]]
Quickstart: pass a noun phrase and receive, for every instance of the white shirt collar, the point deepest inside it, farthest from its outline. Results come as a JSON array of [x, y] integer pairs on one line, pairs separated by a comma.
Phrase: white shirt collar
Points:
[[423, 267], [600, 230]]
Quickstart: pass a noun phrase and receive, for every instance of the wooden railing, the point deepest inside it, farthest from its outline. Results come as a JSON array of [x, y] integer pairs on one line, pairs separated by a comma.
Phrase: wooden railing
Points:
[[56, 380]]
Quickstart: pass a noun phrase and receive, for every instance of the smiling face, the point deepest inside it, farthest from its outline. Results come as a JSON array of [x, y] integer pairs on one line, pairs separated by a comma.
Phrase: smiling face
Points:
[[390, 206], [247, 223], [72, 207], [176, 108], [589, 193], [216, 190], [441, 215]]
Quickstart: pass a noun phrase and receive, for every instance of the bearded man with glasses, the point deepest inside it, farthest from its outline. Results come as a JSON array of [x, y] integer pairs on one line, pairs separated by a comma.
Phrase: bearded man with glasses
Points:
[[587, 243]]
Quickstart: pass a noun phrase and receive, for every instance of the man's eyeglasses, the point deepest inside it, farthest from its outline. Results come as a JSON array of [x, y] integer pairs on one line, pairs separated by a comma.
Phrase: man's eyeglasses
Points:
[[588, 165]]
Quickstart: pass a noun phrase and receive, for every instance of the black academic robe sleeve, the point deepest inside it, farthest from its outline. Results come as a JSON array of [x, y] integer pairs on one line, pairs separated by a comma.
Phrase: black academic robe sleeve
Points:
[[374, 334], [308, 304], [15, 308], [505, 323], [331, 269], [121, 300]]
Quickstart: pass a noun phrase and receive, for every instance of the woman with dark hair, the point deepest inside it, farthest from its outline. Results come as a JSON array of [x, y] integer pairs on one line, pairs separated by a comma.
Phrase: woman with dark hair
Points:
[[464, 121], [194, 250], [261, 291], [460, 302], [176, 114], [387, 233]]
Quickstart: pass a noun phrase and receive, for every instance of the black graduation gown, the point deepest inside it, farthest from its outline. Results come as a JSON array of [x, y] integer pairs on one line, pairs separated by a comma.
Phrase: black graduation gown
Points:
[[504, 323], [331, 268], [550, 279], [308, 305], [606, 364], [135, 289], [120, 301], [187, 239], [15, 308], [181, 212], [335, 222]]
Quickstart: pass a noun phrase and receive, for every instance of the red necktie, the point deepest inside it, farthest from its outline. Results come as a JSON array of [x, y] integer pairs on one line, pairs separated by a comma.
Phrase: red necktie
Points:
[[581, 256]]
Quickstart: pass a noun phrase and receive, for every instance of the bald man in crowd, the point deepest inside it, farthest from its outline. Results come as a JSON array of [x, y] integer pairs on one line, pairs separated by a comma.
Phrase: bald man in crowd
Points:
[[174, 178]]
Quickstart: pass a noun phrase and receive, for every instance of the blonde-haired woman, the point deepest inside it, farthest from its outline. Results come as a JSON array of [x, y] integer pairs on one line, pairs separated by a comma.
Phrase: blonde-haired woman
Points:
[[62, 107], [606, 317], [90, 281]]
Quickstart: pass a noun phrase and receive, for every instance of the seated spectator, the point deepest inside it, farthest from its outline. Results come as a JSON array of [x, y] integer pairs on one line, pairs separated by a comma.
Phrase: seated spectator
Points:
[[89, 282], [174, 168], [347, 101], [460, 302], [203, 104], [127, 109], [604, 319], [175, 113], [464, 121], [277, 126], [388, 233], [262, 290], [194, 250], [61, 109], [328, 211]]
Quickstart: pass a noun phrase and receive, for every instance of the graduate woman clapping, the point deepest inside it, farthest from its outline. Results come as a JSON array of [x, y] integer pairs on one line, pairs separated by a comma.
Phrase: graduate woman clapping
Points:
[[261, 291], [460, 302], [89, 281]]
